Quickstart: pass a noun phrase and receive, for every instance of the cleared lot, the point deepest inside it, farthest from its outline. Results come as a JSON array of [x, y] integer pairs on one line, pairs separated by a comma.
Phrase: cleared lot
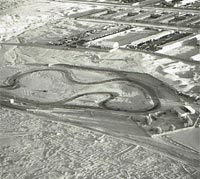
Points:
[[190, 138]]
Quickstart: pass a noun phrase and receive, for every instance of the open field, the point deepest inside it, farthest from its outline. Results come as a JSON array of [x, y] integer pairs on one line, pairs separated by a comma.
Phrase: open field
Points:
[[22, 19], [189, 137], [185, 51]]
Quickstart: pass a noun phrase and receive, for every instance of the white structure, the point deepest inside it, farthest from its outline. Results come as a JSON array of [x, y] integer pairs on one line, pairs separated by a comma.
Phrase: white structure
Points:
[[50, 64], [108, 44], [152, 37], [12, 101], [198, 40], [191, 109], [177, 43], [182, 2], [196, 57]]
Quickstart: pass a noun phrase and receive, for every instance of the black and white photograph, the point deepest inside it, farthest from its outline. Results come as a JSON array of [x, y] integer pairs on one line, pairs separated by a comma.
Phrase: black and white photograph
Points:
[[99, 89]]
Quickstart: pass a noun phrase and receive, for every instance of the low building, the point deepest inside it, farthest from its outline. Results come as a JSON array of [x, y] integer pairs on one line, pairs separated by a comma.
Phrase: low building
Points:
[[181, 113], [184, 2], [196, 57], [180, 2], [190, 109], [108, 44]]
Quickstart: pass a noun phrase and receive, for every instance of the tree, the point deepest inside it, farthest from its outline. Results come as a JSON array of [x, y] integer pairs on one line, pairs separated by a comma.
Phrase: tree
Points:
[[172, 127], [189, 121], [185, 124], [158, 130], [148, 120]]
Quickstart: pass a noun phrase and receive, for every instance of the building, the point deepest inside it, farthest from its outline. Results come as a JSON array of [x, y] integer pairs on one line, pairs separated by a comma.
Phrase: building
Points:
[[184, 2], [108, 44], [181, 113], [180, 2], [190, 109]]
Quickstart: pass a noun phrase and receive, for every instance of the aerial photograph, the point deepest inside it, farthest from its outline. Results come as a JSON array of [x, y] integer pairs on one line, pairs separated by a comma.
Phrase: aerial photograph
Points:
[[99, 89]]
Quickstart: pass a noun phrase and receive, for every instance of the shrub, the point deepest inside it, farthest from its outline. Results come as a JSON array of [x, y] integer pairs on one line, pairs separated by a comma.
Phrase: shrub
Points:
[[158, 130], [172, 127]]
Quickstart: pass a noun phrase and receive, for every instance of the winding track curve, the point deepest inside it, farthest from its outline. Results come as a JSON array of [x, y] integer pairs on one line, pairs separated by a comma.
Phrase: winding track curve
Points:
[[14, 82]]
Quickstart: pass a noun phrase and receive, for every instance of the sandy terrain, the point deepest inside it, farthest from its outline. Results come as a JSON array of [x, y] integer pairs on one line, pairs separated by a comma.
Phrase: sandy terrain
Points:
[[19, 20], [185, 51], [34, 147]]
